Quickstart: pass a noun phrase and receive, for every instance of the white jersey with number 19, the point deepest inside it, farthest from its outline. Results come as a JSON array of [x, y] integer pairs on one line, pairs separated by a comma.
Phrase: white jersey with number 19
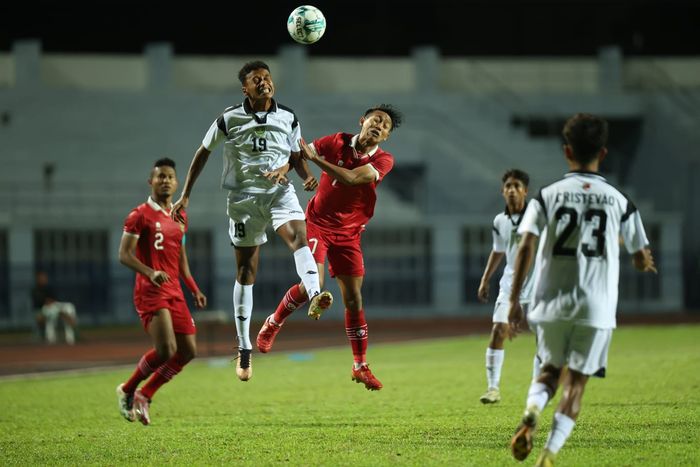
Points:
[[254, 143], [579, 220]]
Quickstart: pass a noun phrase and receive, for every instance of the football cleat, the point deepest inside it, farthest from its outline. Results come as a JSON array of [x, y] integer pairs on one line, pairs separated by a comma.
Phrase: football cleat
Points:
[[244, 367], [142, 405], [545, 459], [491, 396], [320, 303], [521, 443], [266, 336], [365, 376], [126, 404]]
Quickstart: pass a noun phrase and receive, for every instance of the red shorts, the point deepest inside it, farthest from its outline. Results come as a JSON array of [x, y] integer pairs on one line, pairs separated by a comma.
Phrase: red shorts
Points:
[[179, 313], [343, 251]]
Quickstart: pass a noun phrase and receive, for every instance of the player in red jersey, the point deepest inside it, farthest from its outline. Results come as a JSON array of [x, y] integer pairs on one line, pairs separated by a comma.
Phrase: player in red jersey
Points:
[[153, 245], [352, 168]]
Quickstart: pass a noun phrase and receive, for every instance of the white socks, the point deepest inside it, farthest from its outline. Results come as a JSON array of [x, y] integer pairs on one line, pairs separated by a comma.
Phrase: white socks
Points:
[[494, 363], [561, 429], [307, 270], [538, 395], [242, 309]]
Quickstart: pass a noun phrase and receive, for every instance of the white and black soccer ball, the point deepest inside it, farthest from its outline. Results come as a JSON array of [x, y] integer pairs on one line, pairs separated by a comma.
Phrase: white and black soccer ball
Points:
[[306, 24]]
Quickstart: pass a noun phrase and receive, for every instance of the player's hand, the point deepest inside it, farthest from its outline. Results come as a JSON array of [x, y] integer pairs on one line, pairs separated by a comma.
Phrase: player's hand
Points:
[[158, 278], [516, 319], [483, 292], [278, 176], [200, 300], [179, 206], [644, 261], [310, 184], [307, 152]]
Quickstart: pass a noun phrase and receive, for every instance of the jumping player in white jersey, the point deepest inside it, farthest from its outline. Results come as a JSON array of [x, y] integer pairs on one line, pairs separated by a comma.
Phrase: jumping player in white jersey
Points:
[[261, 143], [505, 243], [579, 221]]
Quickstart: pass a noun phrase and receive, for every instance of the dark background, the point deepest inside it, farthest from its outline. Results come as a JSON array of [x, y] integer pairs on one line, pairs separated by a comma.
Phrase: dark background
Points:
[[362, 28]]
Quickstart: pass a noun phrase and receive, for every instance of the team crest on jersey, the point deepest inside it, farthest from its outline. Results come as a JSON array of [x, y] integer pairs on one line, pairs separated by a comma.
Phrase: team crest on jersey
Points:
[[259, 132], [340, 163], [158, 226], [586, 186]]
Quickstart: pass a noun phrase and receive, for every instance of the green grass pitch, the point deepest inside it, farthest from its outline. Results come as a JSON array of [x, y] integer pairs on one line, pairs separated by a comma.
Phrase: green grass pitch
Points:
[[302, 409]]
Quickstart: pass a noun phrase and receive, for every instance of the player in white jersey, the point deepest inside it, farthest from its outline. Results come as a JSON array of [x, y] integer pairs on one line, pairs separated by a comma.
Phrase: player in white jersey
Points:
[[505, 244], [579, 221], [261, 143]]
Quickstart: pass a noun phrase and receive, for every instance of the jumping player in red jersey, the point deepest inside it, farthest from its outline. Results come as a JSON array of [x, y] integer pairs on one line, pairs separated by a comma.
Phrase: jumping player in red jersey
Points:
[[352, 168], [153, 245]]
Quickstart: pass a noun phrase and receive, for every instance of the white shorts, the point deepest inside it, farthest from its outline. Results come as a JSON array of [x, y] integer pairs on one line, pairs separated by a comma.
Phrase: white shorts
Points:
[[500, 312], [582, 348], [250, 214], [53, 310]]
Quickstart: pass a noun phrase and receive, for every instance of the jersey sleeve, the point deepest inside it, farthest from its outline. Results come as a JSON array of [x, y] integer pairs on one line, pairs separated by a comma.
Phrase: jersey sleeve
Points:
[[535, 217], [383, 165], [632, 229], [324, 146], [215, 134], [295, 136], [499, 243], [133, 225]]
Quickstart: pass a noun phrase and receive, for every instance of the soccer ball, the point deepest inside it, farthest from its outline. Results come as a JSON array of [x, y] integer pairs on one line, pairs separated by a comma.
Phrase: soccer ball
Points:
[[306, 24]]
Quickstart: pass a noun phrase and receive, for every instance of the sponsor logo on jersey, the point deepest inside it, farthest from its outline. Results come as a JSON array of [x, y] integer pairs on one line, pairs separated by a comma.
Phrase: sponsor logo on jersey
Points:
[[158, 226]]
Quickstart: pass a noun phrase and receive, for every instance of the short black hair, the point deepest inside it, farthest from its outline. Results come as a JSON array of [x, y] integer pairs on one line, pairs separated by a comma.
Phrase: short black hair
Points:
[[164, 162], [518, 175], [250, 66], [586, 134], [393, 113]]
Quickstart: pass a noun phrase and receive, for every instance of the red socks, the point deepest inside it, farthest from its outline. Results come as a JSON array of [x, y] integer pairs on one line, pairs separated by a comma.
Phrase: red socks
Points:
[[356, 330], [292, 300], [147, 365], [163, 374]]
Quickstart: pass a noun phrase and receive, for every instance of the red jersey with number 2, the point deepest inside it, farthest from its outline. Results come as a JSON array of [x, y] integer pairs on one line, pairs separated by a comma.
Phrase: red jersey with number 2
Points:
[[158, 247], [345, 209]]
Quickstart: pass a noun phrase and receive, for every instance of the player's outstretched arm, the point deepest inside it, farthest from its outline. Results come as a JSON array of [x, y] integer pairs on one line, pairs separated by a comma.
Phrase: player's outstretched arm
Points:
[[127, 247], [644, 261], [357, 176], [523, 261], [494, 260], [198, 162], [200, 300]]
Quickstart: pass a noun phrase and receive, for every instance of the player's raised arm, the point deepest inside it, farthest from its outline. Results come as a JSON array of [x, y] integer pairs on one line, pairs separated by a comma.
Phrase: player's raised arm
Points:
[[357, 176], [127, 247], [198, 162]]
